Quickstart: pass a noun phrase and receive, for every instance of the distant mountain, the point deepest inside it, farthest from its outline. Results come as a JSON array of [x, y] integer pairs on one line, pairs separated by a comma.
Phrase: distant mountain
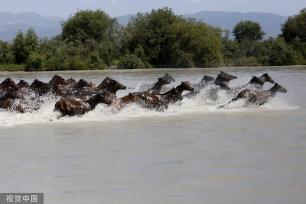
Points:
[[271, 23], [124, 20], [11, 23]]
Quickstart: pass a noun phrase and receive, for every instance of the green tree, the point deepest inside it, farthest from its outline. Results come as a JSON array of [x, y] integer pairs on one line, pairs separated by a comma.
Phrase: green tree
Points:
[[248, 31], [150, 32], [163, 39], [280, 53], [196, 45], [20, 50], [24, 45], [295, 28], [90, 25], [6, 54], [130, 61], [31, 40], [294, 32], [34, 62], [92, 32]]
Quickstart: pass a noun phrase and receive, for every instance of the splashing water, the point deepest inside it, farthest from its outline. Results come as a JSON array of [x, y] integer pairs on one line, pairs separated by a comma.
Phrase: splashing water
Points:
[[199, 104]]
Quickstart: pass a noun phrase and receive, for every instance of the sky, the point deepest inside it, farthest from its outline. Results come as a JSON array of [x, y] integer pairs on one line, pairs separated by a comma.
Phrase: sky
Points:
[[64, 8]]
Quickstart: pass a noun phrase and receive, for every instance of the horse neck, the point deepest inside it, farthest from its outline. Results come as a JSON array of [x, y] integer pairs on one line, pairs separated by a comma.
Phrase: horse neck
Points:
[[157, 86], [110, 89], [179, 89], [169, 94], [202, 83], [272, 92], [259, 81]]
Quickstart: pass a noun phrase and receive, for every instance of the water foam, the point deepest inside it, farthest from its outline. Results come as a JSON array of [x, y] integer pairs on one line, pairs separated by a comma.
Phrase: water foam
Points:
[[200, 104]]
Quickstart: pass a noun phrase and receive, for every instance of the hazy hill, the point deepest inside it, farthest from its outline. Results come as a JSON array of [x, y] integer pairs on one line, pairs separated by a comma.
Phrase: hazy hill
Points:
[[11, 23], [271, 23], [50, 26]]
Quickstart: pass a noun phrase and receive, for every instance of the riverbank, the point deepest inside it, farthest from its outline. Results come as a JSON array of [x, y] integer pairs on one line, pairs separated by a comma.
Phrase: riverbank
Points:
[[21, 69]]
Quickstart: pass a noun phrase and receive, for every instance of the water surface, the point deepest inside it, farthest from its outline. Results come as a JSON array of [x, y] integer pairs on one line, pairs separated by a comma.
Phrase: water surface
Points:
[[192, 153]]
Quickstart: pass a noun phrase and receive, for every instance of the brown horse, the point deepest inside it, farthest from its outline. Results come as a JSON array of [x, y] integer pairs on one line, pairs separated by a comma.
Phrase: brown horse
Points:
[[156, 88], [6, 85], [148, 100], [78, 105], [40, 88], [72, 106], [223, 79]]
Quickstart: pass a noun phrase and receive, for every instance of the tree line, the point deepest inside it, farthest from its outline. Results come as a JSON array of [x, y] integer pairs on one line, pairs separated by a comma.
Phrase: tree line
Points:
[[160, 38]]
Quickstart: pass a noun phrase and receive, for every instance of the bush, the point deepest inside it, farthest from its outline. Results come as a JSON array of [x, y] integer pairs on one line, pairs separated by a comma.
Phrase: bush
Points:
[[75, 63], [181, 59], [130, 61], [34, 62], [6, 54], [280, 53], [248, 30], [161, 38]]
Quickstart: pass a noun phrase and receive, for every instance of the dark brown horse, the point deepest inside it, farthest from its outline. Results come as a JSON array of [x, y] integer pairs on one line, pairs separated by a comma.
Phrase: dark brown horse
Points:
[[58, 85], [78, 105], [40, 88], [71, 106], [7, 84], [148, 100], [57, 80], [156, 88], [223, 79]]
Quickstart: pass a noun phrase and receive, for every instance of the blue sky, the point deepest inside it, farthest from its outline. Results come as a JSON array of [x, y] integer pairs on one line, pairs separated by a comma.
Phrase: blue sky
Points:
[[64, 8]]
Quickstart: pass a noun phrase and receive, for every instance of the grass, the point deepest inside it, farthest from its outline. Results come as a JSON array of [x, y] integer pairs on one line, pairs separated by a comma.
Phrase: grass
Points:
[[11, 67]]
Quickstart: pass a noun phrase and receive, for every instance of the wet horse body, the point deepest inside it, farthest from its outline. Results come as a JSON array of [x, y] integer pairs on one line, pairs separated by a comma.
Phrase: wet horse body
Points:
[[256, 83], [205, 81], [220, 83], [257, 97], [15, 96], [157, 87], [79, 105], [72, 106], [80, 97], [148, 100]]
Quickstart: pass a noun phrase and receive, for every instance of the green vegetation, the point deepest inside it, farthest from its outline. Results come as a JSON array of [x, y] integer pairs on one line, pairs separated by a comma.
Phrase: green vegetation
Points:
[[163, 39], [94, 40], [248, 31]]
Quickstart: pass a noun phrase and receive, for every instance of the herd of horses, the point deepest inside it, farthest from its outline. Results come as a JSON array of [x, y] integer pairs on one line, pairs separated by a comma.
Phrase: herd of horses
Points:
[[80, 97]]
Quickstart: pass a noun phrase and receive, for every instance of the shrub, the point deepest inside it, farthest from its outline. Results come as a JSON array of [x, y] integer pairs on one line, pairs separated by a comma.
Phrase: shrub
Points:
[[34, 62], [130, 61]]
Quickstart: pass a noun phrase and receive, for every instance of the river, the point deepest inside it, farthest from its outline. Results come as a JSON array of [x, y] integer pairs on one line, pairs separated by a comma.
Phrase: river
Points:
[[191, 153]]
